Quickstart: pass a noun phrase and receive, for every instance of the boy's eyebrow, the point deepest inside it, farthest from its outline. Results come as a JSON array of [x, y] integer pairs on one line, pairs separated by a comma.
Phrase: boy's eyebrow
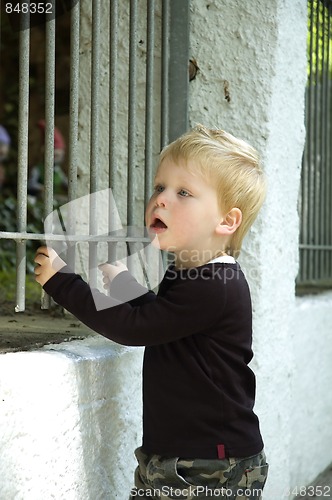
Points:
[[180, 182]]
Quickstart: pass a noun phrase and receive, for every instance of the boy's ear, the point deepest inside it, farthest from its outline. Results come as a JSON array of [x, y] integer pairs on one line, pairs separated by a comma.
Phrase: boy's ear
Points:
[[230, 222]]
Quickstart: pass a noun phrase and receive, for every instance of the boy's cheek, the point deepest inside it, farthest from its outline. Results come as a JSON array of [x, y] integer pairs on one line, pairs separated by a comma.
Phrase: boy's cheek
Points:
[[147, 213]]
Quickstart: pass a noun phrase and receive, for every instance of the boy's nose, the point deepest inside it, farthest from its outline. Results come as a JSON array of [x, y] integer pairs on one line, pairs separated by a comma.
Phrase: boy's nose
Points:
[[161, 200], [160, 203]]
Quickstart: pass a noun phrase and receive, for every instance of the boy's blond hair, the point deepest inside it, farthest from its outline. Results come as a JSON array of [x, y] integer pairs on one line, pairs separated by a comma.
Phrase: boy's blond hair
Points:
[[231, 165]]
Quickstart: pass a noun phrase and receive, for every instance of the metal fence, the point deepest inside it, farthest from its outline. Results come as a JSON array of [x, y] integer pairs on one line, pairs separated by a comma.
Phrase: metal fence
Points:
[[172, 99], [316, 186]]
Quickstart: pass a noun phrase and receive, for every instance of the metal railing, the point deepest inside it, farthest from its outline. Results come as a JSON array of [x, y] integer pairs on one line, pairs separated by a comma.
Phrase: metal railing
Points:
[[172, 96], [316, 182]]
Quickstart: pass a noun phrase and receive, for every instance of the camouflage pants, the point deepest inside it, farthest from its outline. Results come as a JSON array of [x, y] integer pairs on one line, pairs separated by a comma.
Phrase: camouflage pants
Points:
[[160, 478]]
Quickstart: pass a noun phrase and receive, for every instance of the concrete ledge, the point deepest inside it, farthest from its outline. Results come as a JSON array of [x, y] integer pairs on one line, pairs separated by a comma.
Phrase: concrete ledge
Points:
[[70, 418], [24, 331]]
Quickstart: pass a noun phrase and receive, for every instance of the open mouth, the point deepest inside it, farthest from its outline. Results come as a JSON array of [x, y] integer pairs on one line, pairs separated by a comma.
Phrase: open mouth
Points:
[[158, 225]]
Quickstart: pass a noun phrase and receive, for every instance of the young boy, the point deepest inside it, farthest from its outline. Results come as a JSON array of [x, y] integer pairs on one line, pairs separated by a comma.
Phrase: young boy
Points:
[[201, 438]]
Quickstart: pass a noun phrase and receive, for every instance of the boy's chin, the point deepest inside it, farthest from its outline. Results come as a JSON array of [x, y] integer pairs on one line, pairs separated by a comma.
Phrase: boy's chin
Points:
[[155, 242]]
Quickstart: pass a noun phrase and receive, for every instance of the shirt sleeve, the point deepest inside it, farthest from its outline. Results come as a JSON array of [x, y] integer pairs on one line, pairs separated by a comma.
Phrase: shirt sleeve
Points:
[[188, 307], [125, 288]]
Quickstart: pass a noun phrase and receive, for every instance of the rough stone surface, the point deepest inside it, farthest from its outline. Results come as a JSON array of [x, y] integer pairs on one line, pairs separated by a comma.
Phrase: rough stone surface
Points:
[[311, 406], [70, 417], [24, 332]]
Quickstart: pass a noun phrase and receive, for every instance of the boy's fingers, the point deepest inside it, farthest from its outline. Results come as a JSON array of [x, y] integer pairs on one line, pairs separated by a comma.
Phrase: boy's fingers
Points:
[[105, 265], [44, 250], [40, 258], [47, 252], [38, 270], [52, 259]]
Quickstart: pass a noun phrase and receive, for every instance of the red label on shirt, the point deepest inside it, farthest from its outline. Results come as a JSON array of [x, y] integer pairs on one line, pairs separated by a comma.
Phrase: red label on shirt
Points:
[[221, 451]]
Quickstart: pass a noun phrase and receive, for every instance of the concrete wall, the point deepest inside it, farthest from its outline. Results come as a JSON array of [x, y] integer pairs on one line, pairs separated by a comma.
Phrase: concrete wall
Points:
[[88, 392], [70, 417], [311, 407]]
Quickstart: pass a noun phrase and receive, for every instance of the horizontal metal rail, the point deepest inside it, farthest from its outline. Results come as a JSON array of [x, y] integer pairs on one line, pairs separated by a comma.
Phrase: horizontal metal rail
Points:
[[315, 247], [72, 238]]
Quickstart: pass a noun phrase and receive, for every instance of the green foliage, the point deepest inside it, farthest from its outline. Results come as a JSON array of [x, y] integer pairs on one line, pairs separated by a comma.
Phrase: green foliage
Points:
[[8, 223], [319, 47], [8, 287]]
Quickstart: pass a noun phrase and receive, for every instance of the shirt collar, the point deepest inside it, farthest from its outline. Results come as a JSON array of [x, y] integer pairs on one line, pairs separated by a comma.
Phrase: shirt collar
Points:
[[226, 259]]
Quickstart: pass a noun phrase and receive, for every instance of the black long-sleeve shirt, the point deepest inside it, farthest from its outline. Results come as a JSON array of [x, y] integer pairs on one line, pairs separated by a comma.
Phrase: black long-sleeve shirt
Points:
[[198, 391]]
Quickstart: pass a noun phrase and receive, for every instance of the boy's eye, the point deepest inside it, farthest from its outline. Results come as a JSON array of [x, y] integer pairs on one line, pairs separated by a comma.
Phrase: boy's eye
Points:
[[159, 188], [183, 193]]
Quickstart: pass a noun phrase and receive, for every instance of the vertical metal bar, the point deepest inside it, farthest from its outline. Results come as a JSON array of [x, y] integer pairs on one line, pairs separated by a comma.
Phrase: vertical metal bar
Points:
[[132, 97], [328, 213], [165, 62], [114, 35], [94, 157], [95, 82], [73, 121], [316, 163], [73, 102], [321, 198], [22, 176], [49, 115], [310, 253], [132, 112], [178, 69], [305, 174], [175, 79], [327, 225], [149, 100], [49, 126], [308, 168], [0, 31], [164, 73], [148, 179]]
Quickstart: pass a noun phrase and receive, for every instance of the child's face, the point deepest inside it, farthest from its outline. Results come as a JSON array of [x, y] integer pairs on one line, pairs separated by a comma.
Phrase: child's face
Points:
[[183, 214]]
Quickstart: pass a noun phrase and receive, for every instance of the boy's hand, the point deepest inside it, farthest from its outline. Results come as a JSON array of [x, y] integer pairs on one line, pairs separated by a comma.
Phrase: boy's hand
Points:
[[49, 263], [110, 271]]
